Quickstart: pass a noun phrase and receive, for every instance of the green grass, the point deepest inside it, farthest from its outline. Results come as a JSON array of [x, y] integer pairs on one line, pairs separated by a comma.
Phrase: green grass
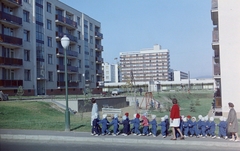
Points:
[[37, 115]]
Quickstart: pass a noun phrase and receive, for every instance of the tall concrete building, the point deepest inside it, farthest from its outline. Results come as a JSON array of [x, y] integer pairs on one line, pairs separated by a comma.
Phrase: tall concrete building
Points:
[[31, 54], [111, 73], [226, 60], [146, 65]]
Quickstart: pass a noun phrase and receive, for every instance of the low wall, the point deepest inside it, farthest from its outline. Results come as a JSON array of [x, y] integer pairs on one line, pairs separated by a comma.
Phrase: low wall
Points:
[[115, 102]]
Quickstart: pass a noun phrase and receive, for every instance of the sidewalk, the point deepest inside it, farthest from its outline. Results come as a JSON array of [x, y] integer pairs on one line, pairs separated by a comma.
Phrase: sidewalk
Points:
[[43, 135]]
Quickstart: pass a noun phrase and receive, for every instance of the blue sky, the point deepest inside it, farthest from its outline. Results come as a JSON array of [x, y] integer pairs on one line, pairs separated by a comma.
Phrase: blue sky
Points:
[[184, 27]]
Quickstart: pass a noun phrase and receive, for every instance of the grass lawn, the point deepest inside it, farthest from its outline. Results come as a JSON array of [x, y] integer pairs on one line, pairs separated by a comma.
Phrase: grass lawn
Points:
[[37, 115]]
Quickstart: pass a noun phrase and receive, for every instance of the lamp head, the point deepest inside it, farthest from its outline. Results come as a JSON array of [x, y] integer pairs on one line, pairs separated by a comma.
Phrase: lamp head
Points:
[[65, 42]]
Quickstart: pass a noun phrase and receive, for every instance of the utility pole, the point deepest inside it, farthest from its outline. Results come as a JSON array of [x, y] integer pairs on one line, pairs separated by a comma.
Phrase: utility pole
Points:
[[189, 86]]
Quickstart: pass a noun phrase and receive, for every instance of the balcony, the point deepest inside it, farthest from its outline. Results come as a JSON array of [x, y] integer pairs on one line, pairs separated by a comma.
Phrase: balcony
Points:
[[11, 83], [99, 72], [72, 38], [61, 20], [98, 47], [215, 37], [61, 68], [10, 20], [12, 3], [99, 60], [216, 70], [98, 35], [214, 12], [70, 53], [71, 84], [10, 41], [13, 62], [216, 59]]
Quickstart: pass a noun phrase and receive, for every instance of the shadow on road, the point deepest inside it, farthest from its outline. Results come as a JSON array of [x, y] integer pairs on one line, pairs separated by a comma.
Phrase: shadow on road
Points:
[[77, 127]]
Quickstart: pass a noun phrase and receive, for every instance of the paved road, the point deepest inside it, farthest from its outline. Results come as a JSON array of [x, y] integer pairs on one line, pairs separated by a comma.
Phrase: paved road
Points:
[[23, 145]]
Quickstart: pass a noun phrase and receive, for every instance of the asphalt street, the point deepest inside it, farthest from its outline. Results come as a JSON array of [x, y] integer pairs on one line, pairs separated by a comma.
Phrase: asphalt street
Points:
[[24, 145]]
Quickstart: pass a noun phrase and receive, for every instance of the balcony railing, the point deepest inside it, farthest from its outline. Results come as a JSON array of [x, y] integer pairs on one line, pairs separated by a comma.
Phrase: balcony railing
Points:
[[215, 35], [11, 83], [70, 84], [99, 59], [214, 4], [69, 68], [99, 71], [18, 2], [10, 61], [216, 69], [98, 35], [69, 52], [99, 47], [10, 18], [71, 37], [66, 20], [10, 40]]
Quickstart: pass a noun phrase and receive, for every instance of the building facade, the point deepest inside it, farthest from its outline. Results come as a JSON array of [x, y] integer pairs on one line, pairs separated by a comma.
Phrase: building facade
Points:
[[225, 43], [111, 73], [31, 51], [179, 75], [145, 65]]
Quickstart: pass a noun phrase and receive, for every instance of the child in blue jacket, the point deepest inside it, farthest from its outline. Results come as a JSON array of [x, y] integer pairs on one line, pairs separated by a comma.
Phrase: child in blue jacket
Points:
[[199, 125], [167, 124], [126, 126], [193, 127], [212, 127], [163, 127], [136, 125], [154, 125], [105, 125], [115, 123], [185, 127], [222, 128], [203, 127]]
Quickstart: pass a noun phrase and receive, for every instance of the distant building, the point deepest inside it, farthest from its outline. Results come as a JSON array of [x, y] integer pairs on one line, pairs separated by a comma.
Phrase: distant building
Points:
[[226, 60], [31, 54], [145, 65], [111, 73], [178, 75]]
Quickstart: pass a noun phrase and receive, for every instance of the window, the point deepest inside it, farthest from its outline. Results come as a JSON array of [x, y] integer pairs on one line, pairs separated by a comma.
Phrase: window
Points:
[[8, 31], [27, 1], [49, 24], [49, 41], [26, 35], [50, 59], [27, 75], [49, 5], [91, 52], [79, 49], [26, 16], [26, 55], [91, 27], [78, 21], [91, 39], [50, 76], [79, 63], [79, 35]]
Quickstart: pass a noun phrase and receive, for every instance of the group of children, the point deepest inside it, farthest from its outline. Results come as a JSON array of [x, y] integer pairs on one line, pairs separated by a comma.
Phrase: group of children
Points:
[[189, 126]]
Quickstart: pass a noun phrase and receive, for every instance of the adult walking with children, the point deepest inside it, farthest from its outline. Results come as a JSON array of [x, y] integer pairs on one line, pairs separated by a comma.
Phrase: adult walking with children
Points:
[[232, 122], [175, 119]]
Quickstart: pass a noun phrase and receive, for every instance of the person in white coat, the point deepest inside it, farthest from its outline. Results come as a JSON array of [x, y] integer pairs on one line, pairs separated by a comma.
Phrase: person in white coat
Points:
[[94, 110]]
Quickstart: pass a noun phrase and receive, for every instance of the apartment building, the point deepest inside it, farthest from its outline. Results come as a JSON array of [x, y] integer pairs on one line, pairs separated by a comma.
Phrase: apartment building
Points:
[[145, 65], [178, 75], [225, 16], [31, 54], [111, 73]]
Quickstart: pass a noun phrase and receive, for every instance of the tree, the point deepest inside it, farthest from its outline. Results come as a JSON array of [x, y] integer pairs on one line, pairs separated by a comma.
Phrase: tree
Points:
[[20, 92]]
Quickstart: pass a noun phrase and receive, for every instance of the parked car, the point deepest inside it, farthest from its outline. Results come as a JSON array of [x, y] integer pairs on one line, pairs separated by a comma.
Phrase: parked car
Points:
[[117, 91]]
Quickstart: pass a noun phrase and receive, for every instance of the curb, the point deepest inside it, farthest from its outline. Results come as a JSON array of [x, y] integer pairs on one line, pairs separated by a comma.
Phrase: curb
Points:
[[117, 140]]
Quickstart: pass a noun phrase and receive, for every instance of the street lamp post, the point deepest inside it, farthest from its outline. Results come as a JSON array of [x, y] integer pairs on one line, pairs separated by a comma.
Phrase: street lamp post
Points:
[[65, 43]]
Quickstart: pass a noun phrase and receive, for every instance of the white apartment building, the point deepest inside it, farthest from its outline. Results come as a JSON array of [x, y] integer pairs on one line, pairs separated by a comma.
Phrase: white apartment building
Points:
[[111, 73], [226, 60], [31, 54], [146, 65], [179, 75]]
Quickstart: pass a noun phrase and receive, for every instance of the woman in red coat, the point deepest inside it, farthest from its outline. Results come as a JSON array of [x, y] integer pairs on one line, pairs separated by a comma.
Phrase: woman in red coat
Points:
[[175, 119]]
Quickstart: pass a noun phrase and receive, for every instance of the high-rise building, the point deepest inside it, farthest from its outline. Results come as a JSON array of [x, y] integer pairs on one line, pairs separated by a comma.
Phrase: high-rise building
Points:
[[111, 73], [145, 65], [225, 43], [31, 54]]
